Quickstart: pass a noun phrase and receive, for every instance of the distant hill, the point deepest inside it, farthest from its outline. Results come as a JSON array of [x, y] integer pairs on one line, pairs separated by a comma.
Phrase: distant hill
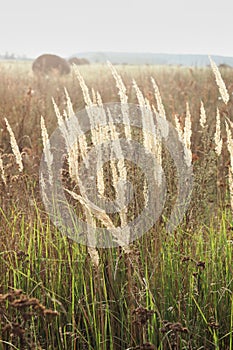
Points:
[[153, 58]]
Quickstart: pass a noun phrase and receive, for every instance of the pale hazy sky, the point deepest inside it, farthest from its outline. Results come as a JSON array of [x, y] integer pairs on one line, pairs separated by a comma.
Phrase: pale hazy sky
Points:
[[34, 27]]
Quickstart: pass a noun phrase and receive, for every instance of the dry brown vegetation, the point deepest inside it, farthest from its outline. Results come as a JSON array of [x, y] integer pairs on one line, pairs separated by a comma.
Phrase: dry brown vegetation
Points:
[[164, 292]]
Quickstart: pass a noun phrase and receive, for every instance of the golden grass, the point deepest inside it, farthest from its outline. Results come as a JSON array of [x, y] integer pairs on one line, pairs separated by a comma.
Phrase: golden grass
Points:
[[163, 291]]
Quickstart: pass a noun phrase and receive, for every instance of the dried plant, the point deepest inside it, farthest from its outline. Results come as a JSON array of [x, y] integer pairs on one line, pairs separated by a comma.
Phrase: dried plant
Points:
[[47, 151], [187, 136], [2, 170], [14, 146], [123, 98], [221, 85], [217, 136], [202, 115], [158, 98]]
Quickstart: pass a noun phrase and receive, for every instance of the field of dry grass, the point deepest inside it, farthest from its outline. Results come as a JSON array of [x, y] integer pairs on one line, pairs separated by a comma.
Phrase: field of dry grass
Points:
[[165, 291]]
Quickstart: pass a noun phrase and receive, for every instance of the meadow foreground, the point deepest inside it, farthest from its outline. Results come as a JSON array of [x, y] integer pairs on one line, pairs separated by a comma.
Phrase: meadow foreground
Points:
[[161, 291]]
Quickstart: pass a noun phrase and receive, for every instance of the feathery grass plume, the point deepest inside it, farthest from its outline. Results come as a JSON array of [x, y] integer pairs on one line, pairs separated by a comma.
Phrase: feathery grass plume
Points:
[[73, 162], [120, 177], [73, 149], [117, 149], [85, 90], [156, 133], [187, 127], [46, 149], [120, 167], [2, 170], [229, 144], [221, 85], [158, 98], [145, 193], [100, 176], [94, 96], [148, 126], [95, 114], [82, 141], [69, 105], [230, 171], [65, 115], [178, 128], [124, 100], [14, 146], [62, 125], [119, 83], [57, 112], [187, 135], [230, 122], [103, 119], [217, 135], [202, 115], [103, 136], [151, 138]]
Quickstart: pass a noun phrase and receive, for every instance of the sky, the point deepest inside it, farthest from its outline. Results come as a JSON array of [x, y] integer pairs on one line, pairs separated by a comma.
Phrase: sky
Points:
[[31, 28]]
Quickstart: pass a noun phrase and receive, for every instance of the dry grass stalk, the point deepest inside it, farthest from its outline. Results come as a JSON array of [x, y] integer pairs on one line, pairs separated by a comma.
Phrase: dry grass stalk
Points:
[[104, 135], [221, 85], [117, 151], [91, 225], [92, 112], [69, 136], [124, 100], [100, 176], [14, 146], [46, 149], [217, 135], [229, 144], [119, 173], [103, 217], [187, 128], [94, 97], [230, 171], [148, 126], [85, 90], [178, 128], [158, 98], [151, 138], [73, 162], [119, 83], [2, 170], [57, 112], [202, 115], [185, 135], [81, 144]]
